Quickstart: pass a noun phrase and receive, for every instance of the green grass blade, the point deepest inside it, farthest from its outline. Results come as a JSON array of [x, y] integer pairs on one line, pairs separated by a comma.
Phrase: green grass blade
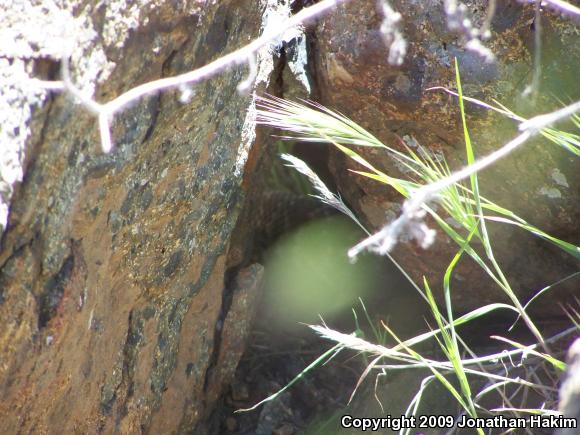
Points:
[[318, 361]]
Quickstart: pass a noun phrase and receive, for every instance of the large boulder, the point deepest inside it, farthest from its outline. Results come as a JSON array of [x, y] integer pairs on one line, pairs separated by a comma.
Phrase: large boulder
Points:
[[539, 182], [112, 266]]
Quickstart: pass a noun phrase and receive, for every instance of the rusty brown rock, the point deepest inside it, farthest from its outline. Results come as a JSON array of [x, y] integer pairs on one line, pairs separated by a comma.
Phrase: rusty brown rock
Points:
[[112, 266], [244, 296], [539, 183]]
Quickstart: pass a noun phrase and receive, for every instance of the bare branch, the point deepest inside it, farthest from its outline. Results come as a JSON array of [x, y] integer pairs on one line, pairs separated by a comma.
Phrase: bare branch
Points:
[[390, 28], [105, 132], [541, 121], [70, 87], [223, 63], [560, 6], [486, 26], [411, 218], [534, 88], [48, 85], [564, 7], [243, 55], [245, 86]]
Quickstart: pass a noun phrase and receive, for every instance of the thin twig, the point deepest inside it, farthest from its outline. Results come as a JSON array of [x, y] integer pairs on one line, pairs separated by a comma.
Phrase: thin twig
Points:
[[560, 6], [90, 104], [237, 57], [335, 201], [486, 26], [536, 123], [48, 85], [536, 76], [382, 241], [240, 56], [564, 7]]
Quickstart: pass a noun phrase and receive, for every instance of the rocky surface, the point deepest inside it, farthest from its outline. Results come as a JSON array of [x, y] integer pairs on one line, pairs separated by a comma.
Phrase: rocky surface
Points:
[[539, 183], [112, 266], [126, 297]]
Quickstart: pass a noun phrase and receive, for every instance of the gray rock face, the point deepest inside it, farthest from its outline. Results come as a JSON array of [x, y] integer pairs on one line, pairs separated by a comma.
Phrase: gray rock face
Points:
[[539, 182]]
